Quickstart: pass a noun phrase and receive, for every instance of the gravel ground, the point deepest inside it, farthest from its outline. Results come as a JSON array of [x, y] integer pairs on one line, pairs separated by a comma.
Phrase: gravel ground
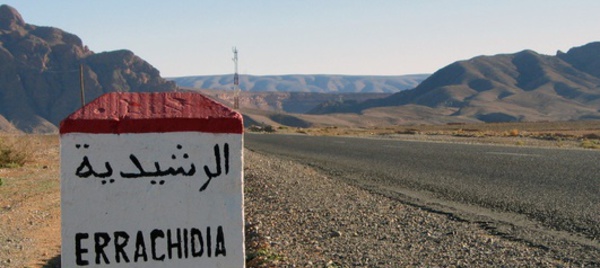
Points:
[[298, 217]]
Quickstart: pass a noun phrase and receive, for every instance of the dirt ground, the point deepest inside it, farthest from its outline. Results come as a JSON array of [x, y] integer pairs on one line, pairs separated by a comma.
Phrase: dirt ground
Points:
[[30, 205], [30, 195]]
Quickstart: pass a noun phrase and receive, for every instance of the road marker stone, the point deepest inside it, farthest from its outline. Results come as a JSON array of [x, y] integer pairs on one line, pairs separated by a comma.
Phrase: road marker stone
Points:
[[152, 180]]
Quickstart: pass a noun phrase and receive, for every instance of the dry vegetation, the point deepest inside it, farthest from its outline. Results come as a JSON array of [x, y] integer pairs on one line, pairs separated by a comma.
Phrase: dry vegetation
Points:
[[575, 134], [14, 151]]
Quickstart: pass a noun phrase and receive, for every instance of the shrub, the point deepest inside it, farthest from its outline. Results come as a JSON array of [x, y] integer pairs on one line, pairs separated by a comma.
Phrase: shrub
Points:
[[262, 128], [591, 136], [11, 154], [408, 131], [268, 128], [590, 144], [301, 131], [520, 143]]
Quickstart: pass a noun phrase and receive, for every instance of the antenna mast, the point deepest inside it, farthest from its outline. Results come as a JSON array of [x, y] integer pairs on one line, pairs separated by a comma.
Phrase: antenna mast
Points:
[[236, 81]]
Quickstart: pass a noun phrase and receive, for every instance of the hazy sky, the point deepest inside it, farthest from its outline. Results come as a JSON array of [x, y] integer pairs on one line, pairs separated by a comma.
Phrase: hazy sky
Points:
[[369, 37]]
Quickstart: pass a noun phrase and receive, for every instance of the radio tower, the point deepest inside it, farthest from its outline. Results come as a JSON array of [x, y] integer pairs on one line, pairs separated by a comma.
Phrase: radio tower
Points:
[[236, 81]]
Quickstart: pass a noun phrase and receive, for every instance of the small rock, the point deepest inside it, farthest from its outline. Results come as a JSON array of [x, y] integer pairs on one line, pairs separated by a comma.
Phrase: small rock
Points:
[[335, 234]]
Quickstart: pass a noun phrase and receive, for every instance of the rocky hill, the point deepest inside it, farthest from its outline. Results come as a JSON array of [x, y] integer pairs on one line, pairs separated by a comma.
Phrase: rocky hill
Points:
[[40, 78], [306, 83], [524, 86]]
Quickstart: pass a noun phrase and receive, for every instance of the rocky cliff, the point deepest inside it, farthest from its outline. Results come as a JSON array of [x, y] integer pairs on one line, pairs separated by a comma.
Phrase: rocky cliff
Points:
[[40, 73]]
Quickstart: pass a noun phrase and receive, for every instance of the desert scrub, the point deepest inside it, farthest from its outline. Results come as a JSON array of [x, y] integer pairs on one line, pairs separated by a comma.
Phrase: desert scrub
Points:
[[590, 144], [14, 152], [259, 253], [520, 143], [263, 257]]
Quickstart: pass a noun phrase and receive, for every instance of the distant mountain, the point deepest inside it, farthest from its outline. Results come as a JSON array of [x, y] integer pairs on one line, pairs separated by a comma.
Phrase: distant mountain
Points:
[[525, 86], [289, 102], [306, 83], [39, 74]]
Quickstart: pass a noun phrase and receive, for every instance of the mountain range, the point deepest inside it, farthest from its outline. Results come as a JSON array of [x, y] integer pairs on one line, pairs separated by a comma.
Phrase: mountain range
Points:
[[40, 70], [305, 83], [285, 102], [524, 86], [40, 74]]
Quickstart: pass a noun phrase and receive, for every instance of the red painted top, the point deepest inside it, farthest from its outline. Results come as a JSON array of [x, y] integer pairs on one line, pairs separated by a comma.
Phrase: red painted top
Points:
[[118, 113]]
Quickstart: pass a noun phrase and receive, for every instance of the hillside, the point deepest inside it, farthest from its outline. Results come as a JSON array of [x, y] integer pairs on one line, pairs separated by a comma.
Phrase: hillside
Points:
[[306, 83], [524, 86], [289, 102], [39, 74]]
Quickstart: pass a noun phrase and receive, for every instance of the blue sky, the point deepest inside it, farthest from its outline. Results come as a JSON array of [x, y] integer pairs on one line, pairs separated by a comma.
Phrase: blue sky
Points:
[[370, 37]]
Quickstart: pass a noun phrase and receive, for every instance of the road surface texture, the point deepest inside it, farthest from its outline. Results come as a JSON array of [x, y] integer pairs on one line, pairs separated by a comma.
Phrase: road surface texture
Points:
[[549, 198]]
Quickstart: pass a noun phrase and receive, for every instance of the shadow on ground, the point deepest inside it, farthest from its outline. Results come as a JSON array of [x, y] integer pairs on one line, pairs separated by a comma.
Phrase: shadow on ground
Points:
[[53, 263]]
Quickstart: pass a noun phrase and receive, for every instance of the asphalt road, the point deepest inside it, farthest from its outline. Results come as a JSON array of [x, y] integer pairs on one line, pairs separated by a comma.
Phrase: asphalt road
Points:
[[559, 188]]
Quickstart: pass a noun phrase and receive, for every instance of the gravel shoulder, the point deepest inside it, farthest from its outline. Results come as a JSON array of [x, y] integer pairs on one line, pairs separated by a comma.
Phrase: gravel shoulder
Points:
[[299, 217]]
